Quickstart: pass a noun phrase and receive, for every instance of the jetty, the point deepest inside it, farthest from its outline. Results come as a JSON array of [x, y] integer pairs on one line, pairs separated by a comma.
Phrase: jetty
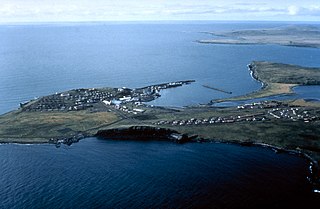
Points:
[[217, 89]]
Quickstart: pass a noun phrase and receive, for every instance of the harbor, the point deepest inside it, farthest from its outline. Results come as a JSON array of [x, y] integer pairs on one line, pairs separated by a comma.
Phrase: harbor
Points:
[[81, 99]]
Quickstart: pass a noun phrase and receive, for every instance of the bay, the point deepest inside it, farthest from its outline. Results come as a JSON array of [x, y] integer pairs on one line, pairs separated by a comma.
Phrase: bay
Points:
[[41, 59]]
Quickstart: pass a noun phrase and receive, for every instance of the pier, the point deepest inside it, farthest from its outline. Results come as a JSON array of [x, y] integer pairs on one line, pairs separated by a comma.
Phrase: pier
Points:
[[216, 89]]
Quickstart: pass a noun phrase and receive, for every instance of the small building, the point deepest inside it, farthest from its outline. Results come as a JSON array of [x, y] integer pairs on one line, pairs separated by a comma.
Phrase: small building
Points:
[[125, 98], [175, 136], [107, 102], [64, 94], [138, 110]]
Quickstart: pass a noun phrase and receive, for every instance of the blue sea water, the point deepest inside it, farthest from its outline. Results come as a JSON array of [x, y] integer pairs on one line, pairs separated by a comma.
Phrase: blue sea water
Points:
[[98, 173], [36, 60]]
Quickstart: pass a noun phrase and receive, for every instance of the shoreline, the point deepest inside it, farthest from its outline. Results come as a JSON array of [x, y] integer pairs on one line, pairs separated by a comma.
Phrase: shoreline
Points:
[[314, 168]]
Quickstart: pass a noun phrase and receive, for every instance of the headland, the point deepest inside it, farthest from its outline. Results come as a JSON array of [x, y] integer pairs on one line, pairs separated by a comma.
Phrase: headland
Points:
[[277, 79]]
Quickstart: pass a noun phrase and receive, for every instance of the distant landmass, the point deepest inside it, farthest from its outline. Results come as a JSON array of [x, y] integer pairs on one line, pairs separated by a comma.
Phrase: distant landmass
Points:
[[299, 36]]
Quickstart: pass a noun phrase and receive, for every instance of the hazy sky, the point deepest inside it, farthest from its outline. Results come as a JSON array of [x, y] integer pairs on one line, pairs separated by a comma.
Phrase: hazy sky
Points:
[[132, 10]]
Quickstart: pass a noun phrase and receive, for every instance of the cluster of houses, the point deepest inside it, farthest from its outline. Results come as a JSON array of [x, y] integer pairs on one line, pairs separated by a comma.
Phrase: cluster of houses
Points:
[[130, 110], [213, 120], [275, 109], [262, 105], [78, 99], [294, 114]]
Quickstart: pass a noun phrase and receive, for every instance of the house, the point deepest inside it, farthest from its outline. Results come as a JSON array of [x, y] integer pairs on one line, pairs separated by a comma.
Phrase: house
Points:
[[125, 98], [107, 102], [138, 110]]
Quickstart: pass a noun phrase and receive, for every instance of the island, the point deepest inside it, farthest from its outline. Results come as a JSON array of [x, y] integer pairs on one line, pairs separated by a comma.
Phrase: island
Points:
[[298, 36], [123, 113]]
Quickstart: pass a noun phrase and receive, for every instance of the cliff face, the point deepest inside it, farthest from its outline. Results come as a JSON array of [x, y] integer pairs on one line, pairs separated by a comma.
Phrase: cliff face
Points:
[[143, 133]]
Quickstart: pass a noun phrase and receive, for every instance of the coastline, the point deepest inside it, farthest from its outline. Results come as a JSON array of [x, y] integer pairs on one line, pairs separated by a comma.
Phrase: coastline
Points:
[[153, 135], [25, 141], [314, 168]]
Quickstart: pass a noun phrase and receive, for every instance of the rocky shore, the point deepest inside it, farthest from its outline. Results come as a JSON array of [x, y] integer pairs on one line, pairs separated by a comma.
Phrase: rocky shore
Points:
[[144, 133], [67, 140]]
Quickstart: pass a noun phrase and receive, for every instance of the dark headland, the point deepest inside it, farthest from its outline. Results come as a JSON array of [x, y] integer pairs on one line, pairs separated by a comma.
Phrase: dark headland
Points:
[[120, 113]]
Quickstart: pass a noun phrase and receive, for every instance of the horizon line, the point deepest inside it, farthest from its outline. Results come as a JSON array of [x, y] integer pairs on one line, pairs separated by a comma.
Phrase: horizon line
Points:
[[150, 21]]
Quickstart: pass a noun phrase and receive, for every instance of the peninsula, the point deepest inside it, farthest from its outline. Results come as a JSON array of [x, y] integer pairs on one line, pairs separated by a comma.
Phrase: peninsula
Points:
[[121, 113], [277, 79], [299, 36]]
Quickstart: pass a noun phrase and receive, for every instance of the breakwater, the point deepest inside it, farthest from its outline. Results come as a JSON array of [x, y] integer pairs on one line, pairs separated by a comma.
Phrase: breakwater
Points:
[[217, 89]]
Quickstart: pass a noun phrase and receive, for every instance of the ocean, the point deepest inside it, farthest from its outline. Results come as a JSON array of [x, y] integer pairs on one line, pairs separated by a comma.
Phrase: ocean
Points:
[[98, 173], [41, 59]]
